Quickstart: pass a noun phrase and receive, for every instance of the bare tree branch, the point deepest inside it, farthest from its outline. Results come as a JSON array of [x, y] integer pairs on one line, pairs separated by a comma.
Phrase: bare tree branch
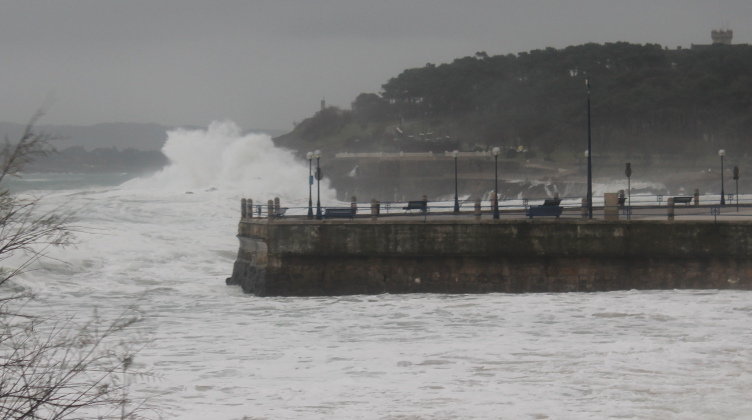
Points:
[[53, 370]]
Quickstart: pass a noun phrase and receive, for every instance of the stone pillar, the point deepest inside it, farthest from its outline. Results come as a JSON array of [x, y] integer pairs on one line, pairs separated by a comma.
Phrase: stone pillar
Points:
[[277, 208], [354, 205], [697, 196], [477, 208], [584, 208], [249, 208], [670, 208], [374, 208], [242, 209], [270, 209], [610, 206]]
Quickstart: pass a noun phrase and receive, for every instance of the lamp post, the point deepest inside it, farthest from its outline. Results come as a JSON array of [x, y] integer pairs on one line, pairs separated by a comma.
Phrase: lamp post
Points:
[[736, 179], [456, 197], [309, 156], [722, 153], [495, 151], [589, 156], [628, 173], [317, 155]]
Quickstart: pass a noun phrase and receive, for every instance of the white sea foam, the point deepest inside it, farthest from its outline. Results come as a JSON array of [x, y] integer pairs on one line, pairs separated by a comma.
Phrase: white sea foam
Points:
[[222, 354], [223, 158]]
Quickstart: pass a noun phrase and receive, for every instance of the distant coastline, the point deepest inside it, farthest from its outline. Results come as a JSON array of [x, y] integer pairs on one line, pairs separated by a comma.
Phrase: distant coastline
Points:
[[77, 159], [102, 148]]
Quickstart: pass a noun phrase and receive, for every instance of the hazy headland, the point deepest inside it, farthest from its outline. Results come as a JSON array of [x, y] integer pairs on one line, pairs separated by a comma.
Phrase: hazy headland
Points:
[[666, 111]]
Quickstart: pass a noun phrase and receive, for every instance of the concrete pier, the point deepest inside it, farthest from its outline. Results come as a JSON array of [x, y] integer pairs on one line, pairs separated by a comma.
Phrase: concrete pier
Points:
[[299, 257]]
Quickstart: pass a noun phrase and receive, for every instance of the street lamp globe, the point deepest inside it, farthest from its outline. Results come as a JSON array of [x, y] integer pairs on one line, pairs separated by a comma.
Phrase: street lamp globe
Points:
[[495, 151], [721, 152], [317, 154]]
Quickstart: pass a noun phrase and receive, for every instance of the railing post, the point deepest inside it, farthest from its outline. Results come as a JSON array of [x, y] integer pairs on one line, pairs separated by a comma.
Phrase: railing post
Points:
[[584, 208], [374, 208], [242, 209], [697, 197], [610, 206], [495, 205], [270, 209], [277, 208], [477, 208], [354, 205], [249, 208], [670, 208]]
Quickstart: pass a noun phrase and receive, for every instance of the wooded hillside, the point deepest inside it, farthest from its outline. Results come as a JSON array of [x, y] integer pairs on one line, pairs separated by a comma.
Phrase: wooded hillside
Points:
[[646, 99]]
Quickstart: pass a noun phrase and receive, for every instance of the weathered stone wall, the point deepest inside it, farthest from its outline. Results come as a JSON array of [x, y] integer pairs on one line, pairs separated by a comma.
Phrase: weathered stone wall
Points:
[[363, 256]]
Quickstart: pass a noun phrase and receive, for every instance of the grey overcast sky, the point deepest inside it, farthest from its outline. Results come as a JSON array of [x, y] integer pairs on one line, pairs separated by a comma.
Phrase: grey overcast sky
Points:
[[265, 64]]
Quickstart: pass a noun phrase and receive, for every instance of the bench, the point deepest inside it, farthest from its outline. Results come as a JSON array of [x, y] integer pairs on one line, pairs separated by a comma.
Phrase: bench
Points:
[[421, 205], [550, 207], [685, 200], [544, 211], [339, 212]]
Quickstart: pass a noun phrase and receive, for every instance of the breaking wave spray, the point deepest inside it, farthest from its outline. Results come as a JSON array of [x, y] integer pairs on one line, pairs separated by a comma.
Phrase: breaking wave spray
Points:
[[222, 158]]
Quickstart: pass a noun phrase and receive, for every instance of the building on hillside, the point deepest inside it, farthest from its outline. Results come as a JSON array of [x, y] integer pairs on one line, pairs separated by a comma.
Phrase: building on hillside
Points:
[[722, 36], [719, 37]]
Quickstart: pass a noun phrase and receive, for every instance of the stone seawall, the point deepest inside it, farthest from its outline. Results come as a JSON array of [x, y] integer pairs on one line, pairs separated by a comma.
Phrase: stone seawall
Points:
[[363, 256]]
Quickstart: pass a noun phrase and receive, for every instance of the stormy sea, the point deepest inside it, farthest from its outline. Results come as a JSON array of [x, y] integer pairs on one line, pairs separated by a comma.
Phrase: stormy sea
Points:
[[163, 245]]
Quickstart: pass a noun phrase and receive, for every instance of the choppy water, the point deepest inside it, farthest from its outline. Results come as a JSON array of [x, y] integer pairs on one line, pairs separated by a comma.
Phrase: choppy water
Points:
[[218, 353]]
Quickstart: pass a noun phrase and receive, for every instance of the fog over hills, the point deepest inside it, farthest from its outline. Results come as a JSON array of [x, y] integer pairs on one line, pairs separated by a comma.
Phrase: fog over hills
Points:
[[108, 147], [119, 135], [139, 136]]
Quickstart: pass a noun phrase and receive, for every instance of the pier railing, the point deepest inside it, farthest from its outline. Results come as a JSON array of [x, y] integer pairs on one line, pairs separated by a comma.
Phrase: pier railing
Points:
[[638, 207]]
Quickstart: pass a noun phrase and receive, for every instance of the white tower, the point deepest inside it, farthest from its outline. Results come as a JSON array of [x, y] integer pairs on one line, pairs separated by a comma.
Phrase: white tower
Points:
[[722, 36]]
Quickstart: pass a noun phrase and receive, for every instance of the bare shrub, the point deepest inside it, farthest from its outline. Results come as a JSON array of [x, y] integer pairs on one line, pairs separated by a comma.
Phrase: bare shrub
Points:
[[53, 369]]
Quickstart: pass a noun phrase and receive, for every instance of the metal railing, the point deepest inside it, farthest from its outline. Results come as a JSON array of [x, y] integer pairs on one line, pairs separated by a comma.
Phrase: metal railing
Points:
[[641, 206]]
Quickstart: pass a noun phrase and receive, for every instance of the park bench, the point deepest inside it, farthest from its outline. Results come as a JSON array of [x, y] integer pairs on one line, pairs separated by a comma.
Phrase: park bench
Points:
[[421, 205], [550, 207], [339, 212], [683, 199]]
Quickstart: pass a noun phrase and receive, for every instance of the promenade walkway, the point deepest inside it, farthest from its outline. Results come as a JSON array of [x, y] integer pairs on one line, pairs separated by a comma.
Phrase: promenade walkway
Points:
[[643, 208]]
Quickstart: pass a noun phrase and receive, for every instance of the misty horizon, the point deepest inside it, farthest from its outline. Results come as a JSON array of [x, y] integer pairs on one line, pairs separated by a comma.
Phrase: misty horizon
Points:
[[269, 65]]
